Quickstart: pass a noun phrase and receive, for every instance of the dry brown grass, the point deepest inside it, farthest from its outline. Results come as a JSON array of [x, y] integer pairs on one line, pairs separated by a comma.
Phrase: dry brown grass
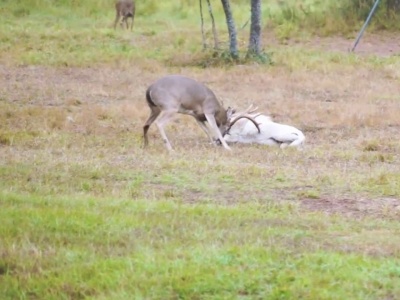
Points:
[[354, 97], [94, 116]]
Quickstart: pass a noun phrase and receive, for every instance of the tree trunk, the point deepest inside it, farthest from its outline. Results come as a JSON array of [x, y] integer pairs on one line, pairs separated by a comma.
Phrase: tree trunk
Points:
[[203, 38], [214, 29], [255, 29], [216, 42], [231, 29]]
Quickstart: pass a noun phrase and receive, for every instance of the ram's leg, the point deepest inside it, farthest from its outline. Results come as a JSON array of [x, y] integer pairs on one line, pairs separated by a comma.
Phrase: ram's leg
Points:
[[211, 120]]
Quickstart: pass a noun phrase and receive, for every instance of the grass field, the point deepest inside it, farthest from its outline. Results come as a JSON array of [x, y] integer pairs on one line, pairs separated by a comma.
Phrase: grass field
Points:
[[87, 213]]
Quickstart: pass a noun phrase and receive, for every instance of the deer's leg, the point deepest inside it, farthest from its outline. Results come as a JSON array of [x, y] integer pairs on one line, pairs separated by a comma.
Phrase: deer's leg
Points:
[[127, 23], [295, 143], [291, 139], [201, 123], [205, 129], [284, 145], [116, 19], [133, 16], [211, 120], [271, 142], [155, 112], [299, 142], [161, 122], [124, 21]]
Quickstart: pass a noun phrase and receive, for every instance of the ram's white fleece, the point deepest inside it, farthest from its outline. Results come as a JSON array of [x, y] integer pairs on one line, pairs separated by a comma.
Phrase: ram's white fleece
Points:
[[244, 131]]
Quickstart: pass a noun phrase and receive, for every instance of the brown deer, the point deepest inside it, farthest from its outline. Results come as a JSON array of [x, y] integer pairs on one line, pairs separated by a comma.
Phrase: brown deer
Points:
[[124, 9], [174, 94]]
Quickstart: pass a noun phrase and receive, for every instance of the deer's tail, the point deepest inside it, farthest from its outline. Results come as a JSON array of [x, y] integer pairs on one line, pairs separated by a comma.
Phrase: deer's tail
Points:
[[148, 98]]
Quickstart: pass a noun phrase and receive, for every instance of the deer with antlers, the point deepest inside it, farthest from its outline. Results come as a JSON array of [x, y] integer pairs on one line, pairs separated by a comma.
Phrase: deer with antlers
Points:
[[268, 132], [176, 94]]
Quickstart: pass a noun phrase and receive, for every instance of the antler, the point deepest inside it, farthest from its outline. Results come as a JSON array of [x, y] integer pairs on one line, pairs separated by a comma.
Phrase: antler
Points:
[[251, 110], [246, 116], [249, 113]]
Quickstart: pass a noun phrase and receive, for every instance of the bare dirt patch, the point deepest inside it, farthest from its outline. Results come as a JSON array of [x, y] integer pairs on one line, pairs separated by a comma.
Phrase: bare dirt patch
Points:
[[382, 44], [354, 206]]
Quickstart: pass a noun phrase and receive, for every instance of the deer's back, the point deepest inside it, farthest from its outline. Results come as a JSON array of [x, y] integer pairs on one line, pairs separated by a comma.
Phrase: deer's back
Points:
[[189, 94], [125, 6]]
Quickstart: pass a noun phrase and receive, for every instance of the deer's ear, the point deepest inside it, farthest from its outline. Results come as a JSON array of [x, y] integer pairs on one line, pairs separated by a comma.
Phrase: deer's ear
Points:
[[230, 111]]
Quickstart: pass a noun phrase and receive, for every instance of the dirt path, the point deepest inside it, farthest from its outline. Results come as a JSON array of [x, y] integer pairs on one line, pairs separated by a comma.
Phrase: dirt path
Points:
[[379, 44]]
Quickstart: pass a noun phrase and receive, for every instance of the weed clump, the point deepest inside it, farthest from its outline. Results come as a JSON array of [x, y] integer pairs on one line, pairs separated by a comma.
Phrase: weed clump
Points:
[[372, 145], [5, 139]]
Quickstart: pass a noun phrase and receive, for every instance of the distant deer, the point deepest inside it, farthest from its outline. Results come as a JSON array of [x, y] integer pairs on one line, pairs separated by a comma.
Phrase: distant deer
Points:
[[271, 133], [124, 9], [174, 94]]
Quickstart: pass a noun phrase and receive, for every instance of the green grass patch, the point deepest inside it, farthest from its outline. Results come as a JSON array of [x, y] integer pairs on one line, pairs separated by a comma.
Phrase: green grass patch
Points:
[[81, 34], [87, 213], [56, 247]]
